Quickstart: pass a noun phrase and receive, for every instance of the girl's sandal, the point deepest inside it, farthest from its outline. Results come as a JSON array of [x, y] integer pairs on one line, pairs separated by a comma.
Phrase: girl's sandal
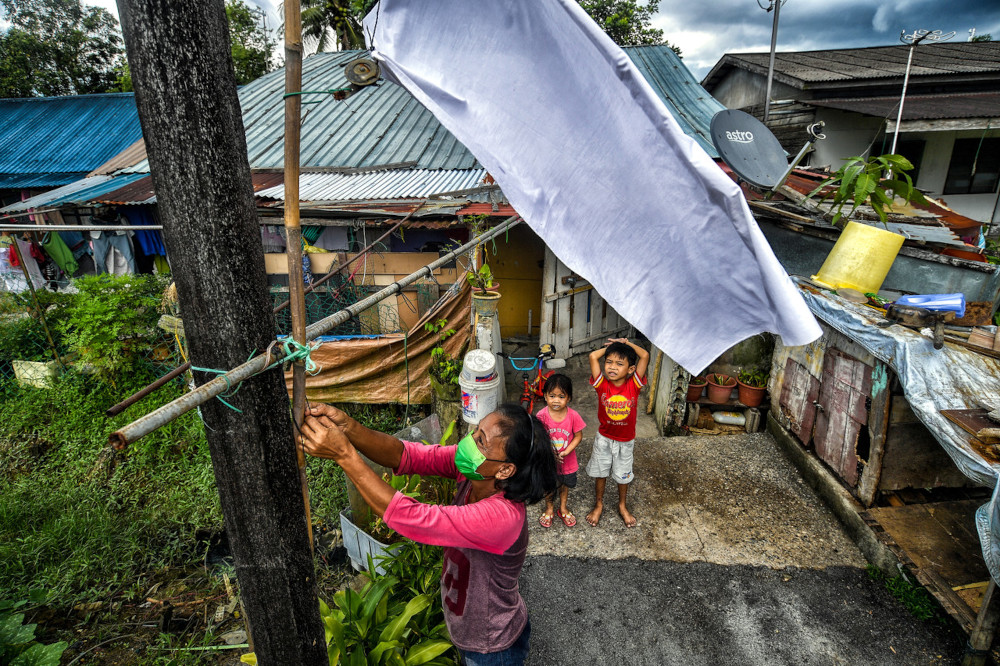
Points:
[[568, 518], [545, 520]]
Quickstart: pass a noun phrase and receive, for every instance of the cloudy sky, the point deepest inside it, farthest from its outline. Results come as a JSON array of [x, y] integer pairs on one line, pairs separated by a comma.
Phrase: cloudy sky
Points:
[[707, 29]]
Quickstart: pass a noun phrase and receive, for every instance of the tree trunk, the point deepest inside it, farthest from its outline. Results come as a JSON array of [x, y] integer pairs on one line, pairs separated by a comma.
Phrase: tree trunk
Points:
[[186, 94]]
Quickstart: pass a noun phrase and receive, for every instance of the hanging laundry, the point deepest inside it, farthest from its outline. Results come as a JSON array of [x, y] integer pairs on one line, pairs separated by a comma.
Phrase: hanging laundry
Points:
[[150, 242], [592, 159], [113, 253], [54, 246]]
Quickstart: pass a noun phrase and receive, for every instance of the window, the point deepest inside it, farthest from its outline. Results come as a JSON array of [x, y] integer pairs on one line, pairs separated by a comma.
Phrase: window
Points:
[[913, 150], [968, 154]]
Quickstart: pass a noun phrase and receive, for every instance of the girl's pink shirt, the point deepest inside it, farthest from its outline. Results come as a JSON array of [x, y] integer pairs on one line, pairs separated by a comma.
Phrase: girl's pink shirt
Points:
[[561, 433]]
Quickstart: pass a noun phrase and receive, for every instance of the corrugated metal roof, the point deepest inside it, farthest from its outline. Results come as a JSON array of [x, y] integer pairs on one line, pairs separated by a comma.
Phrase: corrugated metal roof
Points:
[[140, 190], [384, 124], [62, 138], [921, 107], [396, 184], [690, 104], [945, 60], [80, 192]]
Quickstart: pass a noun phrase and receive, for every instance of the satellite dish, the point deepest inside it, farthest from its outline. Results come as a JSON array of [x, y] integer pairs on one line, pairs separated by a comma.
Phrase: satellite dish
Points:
[[362, 71], [749, 148]]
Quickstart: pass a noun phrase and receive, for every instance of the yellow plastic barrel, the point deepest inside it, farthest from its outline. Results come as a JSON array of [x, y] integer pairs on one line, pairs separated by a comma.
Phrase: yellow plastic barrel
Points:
[[860, 259]]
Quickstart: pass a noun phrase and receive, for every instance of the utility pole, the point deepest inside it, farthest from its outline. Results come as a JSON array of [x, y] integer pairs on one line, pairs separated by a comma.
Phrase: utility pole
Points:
[[181, 67], [775, 6]]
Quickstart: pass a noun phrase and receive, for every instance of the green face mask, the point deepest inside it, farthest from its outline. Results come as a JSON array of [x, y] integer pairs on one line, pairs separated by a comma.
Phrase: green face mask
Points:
[[468, 458]]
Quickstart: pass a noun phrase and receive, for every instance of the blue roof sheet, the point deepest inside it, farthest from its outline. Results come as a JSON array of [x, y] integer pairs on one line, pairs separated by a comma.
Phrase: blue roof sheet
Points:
[[385, 124], [690, 104], [48, 141]]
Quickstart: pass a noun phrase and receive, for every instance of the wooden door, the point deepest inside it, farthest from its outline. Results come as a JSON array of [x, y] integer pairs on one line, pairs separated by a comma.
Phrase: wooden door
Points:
[[575, 318], [797, 402]]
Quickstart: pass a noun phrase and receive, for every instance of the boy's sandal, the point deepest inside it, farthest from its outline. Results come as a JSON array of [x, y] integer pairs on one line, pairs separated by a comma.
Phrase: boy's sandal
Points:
[[568, 518], [545, 520]]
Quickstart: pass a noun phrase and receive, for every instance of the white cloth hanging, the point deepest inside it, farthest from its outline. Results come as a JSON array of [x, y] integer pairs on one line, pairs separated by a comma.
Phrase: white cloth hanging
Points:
[[591, 158]]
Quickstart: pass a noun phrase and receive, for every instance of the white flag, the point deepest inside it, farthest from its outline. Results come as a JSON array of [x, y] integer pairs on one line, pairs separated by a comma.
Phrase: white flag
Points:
[[593, 161]]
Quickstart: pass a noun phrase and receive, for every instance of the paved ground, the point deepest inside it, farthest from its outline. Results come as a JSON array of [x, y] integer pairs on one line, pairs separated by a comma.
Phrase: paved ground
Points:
[[735, 561]]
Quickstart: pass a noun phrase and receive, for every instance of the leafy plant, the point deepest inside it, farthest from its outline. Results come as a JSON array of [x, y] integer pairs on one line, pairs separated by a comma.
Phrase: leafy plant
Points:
[[445, 368], [481, 279], [860, 182], [697, 381], [915, 598], [113, 323], [721, 380], [18, 646], [754, 377]]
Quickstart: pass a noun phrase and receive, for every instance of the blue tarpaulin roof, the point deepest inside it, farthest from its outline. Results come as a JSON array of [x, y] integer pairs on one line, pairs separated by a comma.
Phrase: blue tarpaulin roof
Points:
[[51, 141]]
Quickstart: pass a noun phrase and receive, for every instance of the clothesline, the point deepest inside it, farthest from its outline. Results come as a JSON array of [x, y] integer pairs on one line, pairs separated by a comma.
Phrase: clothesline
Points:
[[80, 227]]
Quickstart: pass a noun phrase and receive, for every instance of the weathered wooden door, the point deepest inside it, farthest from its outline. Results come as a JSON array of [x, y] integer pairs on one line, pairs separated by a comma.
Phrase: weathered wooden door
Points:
[[799, 391], [845, 390], [574, 316]]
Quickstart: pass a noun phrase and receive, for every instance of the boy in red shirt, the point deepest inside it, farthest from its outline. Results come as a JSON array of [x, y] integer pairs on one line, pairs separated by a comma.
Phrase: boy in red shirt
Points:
[[618, 387]]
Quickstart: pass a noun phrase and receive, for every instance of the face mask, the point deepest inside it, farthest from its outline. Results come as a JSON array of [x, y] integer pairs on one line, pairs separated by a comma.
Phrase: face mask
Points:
[[468, 458]]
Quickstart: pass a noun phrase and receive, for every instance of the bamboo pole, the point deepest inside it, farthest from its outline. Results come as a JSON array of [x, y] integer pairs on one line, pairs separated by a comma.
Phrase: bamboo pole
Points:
[[293, 228], [34, 300]]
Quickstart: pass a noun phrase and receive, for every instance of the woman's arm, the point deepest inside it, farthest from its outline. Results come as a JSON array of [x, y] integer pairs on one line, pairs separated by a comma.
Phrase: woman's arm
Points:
[[325, 439], [380, 448]]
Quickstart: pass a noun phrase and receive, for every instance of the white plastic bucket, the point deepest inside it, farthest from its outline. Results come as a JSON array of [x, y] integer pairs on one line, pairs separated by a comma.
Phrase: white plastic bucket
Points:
[[479, 398], [479, 365]]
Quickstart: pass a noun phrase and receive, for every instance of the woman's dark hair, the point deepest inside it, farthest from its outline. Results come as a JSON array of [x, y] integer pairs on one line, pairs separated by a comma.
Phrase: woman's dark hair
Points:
[[529, 448], [559, 382]]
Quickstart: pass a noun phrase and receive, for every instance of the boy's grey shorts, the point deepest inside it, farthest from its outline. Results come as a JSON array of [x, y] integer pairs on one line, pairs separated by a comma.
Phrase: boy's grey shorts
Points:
[[611, 458]]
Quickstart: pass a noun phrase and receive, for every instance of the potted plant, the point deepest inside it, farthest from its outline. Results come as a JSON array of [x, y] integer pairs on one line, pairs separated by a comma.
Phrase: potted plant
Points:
[[752, 384], [485, 298], [720, 388], [696, 386]]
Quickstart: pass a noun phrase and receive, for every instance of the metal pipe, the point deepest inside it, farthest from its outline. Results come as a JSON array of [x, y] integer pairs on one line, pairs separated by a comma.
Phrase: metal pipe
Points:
[[902, 98], [114, 410], [79, 227], [219, 385], [770, 64]]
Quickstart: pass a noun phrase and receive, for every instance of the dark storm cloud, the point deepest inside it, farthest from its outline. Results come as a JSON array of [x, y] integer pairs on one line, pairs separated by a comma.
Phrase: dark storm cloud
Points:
[[707, 30]]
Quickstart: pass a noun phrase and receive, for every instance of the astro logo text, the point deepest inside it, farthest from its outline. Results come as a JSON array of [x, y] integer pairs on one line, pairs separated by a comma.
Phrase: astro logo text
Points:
[[740, 137]]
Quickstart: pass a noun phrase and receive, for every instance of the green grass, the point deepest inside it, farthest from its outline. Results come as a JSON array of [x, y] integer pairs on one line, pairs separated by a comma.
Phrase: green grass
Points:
[[70, 528], [915, 598]]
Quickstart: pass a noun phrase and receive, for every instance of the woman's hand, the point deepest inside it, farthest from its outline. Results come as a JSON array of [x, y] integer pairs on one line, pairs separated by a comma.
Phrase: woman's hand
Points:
[[323, 437], [331, 415]]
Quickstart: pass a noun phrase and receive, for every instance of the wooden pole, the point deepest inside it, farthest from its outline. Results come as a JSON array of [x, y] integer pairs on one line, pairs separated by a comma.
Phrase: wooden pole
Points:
[[34, 300], [293, 229], [185, 92], [977, 651]]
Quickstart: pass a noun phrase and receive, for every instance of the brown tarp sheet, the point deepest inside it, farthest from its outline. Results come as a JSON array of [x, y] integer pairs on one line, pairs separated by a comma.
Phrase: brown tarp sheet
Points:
[[375, 370]]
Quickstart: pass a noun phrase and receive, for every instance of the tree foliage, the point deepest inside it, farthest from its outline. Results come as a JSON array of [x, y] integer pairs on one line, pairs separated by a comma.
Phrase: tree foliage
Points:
[[57, 47], [250, 41], [335, 24], [627, 22]]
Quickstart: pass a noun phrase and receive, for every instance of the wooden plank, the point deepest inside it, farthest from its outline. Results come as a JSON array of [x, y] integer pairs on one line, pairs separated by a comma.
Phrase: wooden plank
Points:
[[546, 332], [562, 309], [578, 318], [878, 424], [981, 637], [596, 313], [799, 392], [940, 537]]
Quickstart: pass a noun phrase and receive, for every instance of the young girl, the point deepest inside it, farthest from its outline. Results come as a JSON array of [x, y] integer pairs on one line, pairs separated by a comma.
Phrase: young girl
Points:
[[565, 428]]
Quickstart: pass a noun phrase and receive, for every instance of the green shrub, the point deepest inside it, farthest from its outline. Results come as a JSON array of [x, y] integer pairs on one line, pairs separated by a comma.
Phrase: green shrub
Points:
[[18, 646]]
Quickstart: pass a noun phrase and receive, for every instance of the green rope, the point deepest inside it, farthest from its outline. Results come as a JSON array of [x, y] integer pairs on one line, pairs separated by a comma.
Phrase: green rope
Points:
[[293, 351]]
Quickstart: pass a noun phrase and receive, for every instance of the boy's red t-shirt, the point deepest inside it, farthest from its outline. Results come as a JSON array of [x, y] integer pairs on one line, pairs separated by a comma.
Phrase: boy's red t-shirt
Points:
[[617, 406]]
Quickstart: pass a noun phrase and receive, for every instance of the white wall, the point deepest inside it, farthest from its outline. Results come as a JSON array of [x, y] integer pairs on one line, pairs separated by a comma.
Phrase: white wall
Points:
[[849, 134]]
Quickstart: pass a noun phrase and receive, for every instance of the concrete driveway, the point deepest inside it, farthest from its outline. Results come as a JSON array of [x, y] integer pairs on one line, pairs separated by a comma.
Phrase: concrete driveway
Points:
[[735, 561]]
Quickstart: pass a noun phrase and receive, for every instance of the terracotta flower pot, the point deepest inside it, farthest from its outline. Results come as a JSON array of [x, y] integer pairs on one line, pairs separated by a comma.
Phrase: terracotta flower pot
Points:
[[695, 388], [751, 396], [720, 393]]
